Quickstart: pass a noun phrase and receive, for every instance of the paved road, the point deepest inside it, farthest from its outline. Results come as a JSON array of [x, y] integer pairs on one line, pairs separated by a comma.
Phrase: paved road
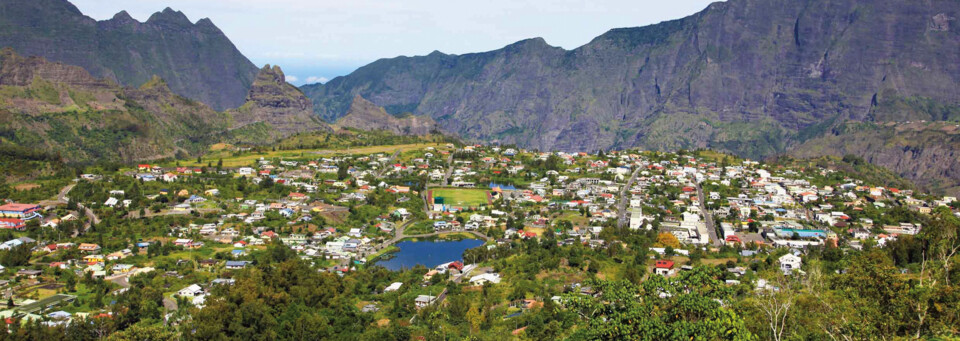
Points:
[[446, 177], [707, 217], [121, 280], [62, 199], [427, 235], [388, 164], [398, 235], [622, 206]]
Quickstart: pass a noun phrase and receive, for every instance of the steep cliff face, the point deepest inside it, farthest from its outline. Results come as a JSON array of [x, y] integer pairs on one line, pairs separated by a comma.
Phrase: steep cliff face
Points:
[[274, 102], [753, 77], [365, 115], [926, 152], [196, 59], [63, 109]]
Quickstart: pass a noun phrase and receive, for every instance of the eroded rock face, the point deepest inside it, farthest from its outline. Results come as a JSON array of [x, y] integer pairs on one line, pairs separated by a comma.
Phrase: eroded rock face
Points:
[[752, 77], [273, 101], [365, 115], [16, 70], [196, 59], [63, 109]]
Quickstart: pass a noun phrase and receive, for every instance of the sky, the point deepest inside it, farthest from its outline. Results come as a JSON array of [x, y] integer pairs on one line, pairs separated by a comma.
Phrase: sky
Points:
[[317, 40]]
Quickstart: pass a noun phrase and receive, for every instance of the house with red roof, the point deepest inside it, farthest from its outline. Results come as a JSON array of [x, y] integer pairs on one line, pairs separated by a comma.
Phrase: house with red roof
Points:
[[663, 267], [19, 211], [13, 224]]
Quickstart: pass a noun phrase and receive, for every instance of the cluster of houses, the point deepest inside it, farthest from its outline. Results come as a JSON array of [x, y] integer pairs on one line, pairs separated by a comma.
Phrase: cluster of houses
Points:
[[702, 204]]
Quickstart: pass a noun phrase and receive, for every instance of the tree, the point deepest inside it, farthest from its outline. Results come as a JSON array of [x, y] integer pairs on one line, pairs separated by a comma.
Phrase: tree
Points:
[[343, 171], [475, 318], [944, 239], [775, 305], [146, 332], [681, 308], [668, 239]]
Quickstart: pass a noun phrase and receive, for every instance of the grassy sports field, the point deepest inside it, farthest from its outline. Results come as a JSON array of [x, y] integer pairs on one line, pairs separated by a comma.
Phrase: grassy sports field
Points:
[[461, 196]]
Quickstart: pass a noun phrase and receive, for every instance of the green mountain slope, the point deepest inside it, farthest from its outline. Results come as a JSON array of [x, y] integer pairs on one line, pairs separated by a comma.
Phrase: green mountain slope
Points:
[[364, 115], [63, 109], [928, 153]]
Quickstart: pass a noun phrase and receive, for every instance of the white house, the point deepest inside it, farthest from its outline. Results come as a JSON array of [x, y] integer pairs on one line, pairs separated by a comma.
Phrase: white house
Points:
[[424, 300], [482, 279], [169, 177], [192, 290], [393, 287], [789, 262]]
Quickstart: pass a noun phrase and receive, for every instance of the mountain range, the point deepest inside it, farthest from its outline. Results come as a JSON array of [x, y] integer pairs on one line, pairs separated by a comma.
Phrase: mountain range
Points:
[[195, 59], [59, 108], [748, 76], [758, 78]]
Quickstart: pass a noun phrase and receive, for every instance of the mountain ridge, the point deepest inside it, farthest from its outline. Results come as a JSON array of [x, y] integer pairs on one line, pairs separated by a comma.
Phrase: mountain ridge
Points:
[[783, 73], [197, 59], [755, 78]]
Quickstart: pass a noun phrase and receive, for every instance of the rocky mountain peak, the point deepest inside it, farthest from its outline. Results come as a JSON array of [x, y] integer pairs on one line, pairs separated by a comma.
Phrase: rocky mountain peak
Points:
[[123, 16], [273, 101], [208, 25], [366, 115], [197, 60], [169, 16], [273, 77], [121, 19]]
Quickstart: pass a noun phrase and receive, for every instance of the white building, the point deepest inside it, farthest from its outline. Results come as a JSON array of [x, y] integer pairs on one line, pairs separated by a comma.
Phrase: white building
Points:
[[192, 290], [393, 287], [485, 278], [789, 262]]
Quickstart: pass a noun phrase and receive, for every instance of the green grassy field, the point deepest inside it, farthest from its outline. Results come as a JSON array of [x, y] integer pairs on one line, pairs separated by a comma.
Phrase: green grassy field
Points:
[[250, 158], [461, 196]]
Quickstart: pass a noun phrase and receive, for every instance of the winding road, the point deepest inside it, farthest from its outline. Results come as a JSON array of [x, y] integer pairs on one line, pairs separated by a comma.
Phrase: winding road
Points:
[[388, 164], [62, 199]]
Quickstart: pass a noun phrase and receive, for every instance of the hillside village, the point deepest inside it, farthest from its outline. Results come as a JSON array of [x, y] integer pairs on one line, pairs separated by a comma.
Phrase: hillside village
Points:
[[192, 227]]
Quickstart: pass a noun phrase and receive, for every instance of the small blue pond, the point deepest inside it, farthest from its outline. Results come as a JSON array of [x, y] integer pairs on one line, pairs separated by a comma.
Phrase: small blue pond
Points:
[[428, 253]]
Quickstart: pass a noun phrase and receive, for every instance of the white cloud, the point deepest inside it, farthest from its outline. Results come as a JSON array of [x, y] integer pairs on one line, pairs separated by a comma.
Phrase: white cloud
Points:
[[315, 79], [292, 78]]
